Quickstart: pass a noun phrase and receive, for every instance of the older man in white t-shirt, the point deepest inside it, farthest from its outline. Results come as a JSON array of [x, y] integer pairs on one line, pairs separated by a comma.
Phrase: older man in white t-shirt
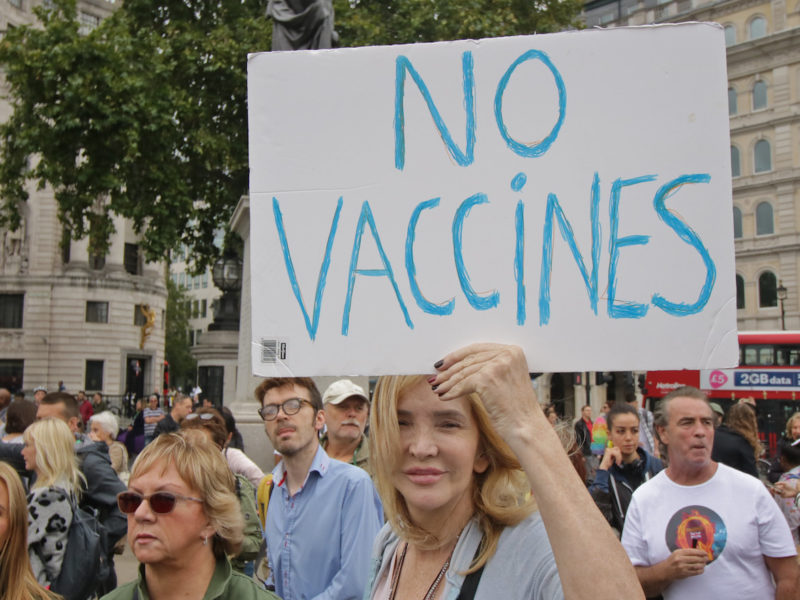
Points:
[[700, 529]]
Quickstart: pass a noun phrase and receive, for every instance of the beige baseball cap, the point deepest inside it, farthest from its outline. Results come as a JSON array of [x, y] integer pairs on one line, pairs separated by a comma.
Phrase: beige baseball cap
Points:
[[341, 390]]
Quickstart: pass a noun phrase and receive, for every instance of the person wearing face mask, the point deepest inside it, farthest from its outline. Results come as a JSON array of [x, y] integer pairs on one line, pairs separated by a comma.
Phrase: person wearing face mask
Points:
[[624, 466]]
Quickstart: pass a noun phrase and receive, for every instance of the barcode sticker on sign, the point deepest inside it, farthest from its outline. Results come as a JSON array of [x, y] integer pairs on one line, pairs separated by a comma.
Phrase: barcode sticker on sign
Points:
[[272, 351]]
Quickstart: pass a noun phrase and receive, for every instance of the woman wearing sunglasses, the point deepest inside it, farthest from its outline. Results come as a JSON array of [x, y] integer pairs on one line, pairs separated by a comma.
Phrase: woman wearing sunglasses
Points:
[[184, 521], [456, 457], [49, 451]]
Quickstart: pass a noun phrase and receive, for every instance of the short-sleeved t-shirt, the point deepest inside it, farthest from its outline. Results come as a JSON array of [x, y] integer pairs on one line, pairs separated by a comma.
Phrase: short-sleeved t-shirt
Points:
[[731, 516]]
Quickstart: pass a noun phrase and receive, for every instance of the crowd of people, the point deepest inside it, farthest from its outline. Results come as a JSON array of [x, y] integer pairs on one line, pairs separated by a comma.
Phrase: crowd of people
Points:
[[454, 484]]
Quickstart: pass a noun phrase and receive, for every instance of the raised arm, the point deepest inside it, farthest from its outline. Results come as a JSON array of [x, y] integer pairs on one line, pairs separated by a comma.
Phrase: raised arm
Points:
[[499, 374]]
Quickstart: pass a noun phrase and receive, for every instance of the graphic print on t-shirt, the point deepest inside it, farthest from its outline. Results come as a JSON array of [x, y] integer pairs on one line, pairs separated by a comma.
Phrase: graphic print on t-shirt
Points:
[[697, 527]]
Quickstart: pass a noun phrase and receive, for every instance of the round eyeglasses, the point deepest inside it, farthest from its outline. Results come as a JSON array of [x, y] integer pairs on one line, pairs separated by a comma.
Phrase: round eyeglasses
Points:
[[290, 407], [160, 502]]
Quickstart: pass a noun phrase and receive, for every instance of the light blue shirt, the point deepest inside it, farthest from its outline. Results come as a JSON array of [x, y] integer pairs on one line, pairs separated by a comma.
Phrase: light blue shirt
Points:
[[319, 540]]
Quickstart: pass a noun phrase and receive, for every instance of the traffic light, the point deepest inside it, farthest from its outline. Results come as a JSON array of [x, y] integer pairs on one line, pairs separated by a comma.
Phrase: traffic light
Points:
[[643, 384]]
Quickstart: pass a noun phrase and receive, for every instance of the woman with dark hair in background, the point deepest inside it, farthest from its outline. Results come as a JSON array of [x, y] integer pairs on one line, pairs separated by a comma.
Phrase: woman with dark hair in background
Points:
[[624, 466], [20, 415], [736, 441]]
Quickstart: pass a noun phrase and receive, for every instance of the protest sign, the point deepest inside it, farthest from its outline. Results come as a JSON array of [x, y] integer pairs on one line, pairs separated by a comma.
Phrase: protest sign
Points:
[[570, 193]]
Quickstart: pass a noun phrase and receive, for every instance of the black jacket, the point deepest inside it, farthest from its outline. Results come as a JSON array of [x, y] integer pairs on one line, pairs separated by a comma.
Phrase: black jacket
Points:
[[583, 437], [612, 490], [166, 425], [732, 449]]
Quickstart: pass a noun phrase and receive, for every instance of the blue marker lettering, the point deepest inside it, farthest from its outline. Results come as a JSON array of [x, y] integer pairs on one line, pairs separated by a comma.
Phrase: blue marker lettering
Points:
[[366, 217], [542, 146], [688, 235], [445, 308], [477, 301], [313, 323], [589, 280], [623, 309], [403, 65]]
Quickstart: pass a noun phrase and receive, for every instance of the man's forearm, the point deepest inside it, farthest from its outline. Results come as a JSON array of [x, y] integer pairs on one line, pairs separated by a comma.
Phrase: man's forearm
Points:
[[654, 579]]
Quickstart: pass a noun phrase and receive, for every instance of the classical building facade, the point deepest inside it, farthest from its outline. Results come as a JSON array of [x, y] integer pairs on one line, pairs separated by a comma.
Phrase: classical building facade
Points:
[[92, 322]]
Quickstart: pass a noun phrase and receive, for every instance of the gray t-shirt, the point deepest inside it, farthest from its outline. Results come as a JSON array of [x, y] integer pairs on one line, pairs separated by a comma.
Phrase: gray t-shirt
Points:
[[522, 568]]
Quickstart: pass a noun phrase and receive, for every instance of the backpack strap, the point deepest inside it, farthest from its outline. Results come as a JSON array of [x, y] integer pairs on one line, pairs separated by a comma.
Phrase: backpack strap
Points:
[[471, 581]]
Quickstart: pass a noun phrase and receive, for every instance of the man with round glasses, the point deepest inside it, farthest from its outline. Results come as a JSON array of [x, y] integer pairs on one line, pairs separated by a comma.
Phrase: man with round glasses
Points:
[[313, 494]]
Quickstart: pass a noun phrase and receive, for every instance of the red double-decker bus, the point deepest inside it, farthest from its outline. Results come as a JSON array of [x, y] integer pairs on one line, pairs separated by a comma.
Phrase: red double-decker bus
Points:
[[768, 371]]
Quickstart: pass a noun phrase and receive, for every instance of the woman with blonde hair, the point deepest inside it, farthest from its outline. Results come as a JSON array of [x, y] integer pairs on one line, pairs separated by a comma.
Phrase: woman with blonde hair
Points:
[[49, 451], [184, 521], [17, 581], [456, 456]]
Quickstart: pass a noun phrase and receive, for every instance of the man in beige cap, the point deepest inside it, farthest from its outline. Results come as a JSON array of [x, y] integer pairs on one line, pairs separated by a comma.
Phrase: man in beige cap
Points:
[[346, 409]]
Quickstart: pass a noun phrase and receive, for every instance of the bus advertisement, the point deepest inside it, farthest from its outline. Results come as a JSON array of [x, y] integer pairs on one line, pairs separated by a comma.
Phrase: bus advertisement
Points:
[[768, 372]]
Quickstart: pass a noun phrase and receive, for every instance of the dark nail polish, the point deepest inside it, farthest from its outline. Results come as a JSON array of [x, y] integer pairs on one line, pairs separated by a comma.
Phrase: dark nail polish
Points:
[[433, 387], [438, 365]]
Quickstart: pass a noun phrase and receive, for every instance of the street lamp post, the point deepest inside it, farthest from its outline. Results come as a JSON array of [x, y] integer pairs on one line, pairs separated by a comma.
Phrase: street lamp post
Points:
[[782, 293]]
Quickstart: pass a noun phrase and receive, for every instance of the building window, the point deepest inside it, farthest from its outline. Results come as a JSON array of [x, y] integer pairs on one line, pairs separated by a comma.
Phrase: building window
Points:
[[197, 282], [205, 279], [97, 261], [736, 168], [131, 259], [195, 309], [11, 371], [139, 317], [730, 35], [203, 308], [11, 306], [739, 292], [188, 308], [737, 222], [764, 220], [191, 337], [182, 279], [87, 22], [66, 244], [15, 3], [96, 312], [757, 28], [732, 108], [762, 155], [94, 376], [767, 290], [759, 95]]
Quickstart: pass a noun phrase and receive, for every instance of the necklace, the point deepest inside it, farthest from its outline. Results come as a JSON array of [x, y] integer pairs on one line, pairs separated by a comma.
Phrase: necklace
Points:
[[434, 586]]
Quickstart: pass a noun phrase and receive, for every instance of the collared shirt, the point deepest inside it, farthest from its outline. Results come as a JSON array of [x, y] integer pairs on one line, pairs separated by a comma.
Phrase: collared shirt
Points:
[[319, 540]]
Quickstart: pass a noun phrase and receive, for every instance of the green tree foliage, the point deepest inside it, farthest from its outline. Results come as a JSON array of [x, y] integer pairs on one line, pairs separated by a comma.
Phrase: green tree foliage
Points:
[[146, 116], [182, 365], [376, 22]]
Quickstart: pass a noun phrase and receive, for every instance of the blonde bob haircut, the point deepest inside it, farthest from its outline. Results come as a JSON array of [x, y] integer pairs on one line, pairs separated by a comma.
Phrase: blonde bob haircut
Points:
[[56, 461], [17, 581], [500, 495], [789, 424], [202, 467]]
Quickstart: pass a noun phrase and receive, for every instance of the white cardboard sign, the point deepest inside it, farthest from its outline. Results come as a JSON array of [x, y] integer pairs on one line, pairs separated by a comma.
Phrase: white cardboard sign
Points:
[[570, 193]]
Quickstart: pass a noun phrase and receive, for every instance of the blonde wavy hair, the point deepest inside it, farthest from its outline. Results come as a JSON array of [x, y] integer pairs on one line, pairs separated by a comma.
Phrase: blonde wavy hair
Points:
[[789, 424], [17, 581], [56, 461], [202, 467], [500, 495]]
